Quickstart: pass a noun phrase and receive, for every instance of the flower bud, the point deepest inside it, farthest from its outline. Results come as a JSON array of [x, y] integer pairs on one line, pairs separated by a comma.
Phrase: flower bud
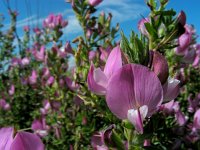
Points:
[[94, 2], [160, 66], [182, 18]]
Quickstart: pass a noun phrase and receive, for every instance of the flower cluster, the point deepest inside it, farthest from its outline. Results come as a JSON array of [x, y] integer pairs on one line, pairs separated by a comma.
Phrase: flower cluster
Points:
[[98, 92]]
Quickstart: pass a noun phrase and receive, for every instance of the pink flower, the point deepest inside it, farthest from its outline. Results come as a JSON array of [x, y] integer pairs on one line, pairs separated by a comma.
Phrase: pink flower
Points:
[[100, 139], [196, 123], [170, 107], [171, 89], [33, 77], [182, 18], [134, 93], [11, 91], [26, 28], [68, 48], [97, 79], [39, 55], [53, 21], [92, 55], [25, 61], [141, 26], [4, 105], [46, 107], [50, 80], [160, 66], [21, 141], [15, 61], [39, 127], [94, 2], [105, 53], [184, 41]]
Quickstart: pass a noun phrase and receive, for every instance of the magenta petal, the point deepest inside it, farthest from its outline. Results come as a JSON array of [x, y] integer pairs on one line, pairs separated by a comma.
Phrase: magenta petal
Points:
[[197, 119], [131, 87], [184, 40], [180, 118], [95, 2], [72, 85], [27, 141], [114, 62], [6, 138], [96, 81], [182, 18], [171, 89], [100, 78]]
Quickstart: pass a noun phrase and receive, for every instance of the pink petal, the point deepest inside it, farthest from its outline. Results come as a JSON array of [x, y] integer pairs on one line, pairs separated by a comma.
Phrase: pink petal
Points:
[[6, 138], [171, 89], [160, 66], [27, 141], [197, 119], [184, 40], [131, 87], [95, 2], [100, 78], [114, 62], [95, 81], [182, 18], [180, 118]]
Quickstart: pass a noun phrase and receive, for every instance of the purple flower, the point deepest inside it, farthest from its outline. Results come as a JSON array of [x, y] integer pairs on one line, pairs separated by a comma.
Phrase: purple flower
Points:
[[46, 107], [170, 107], [182, 18], [4, 105], [134, 92], [147, 142], [53, 21], [97, 79], [11, 91], [26, 28], [193, 103], [105, 53], [141, 26], [171, 89], [190, 56], [39, 127], [33, 78], [102, 138], [180, 118], [25, 61], [160, 66], [94, 2], [6, 138], [92, 55], [39, 55], [37, 31], [45, 72], [89, 33], [184, 41], [50, 80], [197, 55], [68, 48], [72, 85], [15, 61], [196, 123], [22, 140]]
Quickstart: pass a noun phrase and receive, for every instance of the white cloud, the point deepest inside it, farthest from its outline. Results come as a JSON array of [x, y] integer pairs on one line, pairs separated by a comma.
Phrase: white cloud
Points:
[[123, 10], [73, 26], [31, 21]]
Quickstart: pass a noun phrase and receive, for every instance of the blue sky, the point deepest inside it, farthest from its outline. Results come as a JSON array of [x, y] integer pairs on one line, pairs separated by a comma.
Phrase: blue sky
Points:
[[126, 12]]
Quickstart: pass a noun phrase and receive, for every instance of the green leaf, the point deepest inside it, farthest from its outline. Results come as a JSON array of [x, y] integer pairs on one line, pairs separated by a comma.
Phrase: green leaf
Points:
[[152, 32]]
